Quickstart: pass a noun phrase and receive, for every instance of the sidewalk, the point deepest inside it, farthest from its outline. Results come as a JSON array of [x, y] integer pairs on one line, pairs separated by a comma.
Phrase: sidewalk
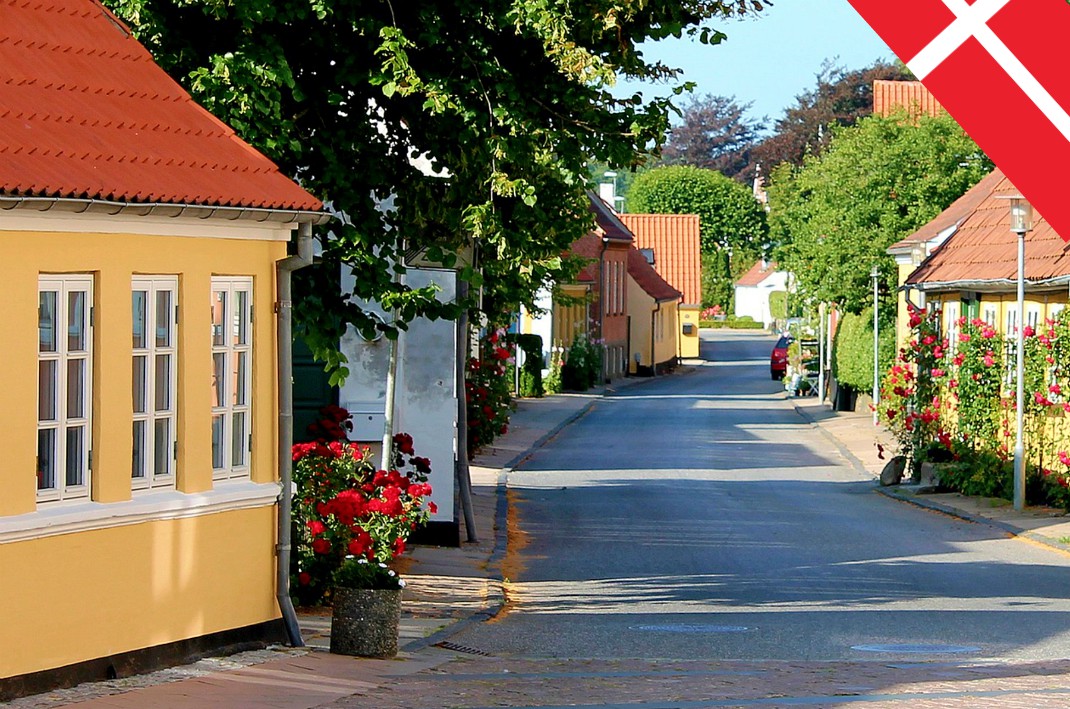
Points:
[[855, 436], [447, 589]]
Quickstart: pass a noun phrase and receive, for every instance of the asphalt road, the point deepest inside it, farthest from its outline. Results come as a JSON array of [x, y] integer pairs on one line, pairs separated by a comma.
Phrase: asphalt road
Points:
[[698, 516]]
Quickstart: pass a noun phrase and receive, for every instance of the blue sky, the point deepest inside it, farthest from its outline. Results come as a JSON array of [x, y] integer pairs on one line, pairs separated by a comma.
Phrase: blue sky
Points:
[[773, 58]]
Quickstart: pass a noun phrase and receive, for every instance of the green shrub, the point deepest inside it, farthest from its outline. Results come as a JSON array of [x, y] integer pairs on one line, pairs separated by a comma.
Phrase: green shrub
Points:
[[583, 365], [852, 350], [778, 304]]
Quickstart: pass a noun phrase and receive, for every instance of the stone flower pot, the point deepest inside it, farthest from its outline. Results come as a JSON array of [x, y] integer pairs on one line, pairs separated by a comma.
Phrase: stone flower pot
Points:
[[364, 622]]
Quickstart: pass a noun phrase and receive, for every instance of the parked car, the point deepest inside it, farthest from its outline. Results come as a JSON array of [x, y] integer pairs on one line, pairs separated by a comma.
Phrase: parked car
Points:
[[778, 360]]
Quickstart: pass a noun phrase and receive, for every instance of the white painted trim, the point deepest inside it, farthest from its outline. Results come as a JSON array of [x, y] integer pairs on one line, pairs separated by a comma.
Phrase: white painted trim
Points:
[[53, 519], [73, 223]]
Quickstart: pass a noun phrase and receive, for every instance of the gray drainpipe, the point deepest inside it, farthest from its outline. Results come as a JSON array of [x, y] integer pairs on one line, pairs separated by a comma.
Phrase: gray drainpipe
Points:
[[653, 355], [602, 306], [284, 270]]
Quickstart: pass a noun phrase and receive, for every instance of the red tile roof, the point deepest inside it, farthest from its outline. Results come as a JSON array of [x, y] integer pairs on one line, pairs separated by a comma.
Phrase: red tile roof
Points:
[[983, 252], [675, 241], [954, 215], [890, 96], [757, 273], [648, 279], [86, 113]]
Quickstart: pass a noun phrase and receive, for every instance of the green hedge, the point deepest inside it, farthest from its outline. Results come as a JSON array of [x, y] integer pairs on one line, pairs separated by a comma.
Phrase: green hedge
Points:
[[744, 323], [852, 350]]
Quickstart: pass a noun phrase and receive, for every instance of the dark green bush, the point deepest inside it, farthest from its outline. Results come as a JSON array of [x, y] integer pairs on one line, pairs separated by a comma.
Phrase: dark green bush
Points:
[[531, 371], [852, 350]]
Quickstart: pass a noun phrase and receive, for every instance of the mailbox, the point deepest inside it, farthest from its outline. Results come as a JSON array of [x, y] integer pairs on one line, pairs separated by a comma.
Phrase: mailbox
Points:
[[689, 328]]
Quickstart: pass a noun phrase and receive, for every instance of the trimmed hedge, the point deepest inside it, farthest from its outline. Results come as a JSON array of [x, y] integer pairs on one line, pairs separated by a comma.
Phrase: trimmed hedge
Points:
[[852, 350], [744, 323]]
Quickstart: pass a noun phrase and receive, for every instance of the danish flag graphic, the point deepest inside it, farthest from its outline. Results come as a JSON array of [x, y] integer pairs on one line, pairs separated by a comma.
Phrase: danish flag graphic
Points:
[[1001, 68]]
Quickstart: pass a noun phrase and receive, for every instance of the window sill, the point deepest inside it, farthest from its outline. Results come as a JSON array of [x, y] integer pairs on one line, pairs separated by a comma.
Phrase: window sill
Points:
[[53, 519]]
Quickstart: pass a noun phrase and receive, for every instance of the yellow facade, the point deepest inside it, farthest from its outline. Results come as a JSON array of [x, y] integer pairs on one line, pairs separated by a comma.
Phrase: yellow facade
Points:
[[570, 319], [128, 570], [687, 330], [651, 333]]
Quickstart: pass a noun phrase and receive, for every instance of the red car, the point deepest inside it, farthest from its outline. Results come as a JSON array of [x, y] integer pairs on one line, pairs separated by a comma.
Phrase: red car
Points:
[[778, 360]]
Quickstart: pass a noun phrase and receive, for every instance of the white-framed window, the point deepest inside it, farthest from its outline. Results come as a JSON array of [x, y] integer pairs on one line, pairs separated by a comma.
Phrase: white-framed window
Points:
[[154, 303], [232, 344], [1032, 316], [64, 386], [1012, 321], [990, 315], [1054, 309], [951, 313]]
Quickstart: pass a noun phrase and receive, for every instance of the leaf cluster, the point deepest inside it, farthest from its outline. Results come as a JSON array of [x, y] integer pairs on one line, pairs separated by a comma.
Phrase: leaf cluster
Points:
[[430, 123]]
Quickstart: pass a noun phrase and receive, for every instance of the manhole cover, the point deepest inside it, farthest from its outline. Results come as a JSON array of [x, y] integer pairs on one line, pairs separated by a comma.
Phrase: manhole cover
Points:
[[917, 649], [680, 628]]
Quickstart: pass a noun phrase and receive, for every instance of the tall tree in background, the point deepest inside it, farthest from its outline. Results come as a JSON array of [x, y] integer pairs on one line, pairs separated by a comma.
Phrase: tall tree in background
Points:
[[715, 133], [840, 98], [366, 101], [731, 222], [876, 182]]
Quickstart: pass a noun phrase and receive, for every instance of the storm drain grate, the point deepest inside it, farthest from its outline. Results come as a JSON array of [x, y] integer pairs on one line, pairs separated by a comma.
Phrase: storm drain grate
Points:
[[446, 645]]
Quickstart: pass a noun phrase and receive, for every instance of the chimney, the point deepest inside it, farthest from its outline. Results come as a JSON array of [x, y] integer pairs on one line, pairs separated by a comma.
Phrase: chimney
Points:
[[608, 189]]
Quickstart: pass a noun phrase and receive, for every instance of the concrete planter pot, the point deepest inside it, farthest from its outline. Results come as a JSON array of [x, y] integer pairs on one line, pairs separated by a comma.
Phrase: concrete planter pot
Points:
[[364, 622]]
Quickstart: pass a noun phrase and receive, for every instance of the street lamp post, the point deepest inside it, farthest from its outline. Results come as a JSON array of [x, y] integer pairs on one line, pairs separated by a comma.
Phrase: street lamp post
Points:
[[875, 274], [1021, 214]]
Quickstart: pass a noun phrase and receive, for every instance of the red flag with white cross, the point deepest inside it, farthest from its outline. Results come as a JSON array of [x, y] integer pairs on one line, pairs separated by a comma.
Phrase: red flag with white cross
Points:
[[1001, 68]]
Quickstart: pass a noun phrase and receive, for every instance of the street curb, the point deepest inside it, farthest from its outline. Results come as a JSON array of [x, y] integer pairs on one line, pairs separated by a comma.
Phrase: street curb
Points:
[[1010, 529], [847, 454], [495, 601]]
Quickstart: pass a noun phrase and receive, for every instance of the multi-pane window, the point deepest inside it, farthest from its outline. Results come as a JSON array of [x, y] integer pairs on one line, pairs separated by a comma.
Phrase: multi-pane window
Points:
[[232, 337], [153, 299], [64, 381]]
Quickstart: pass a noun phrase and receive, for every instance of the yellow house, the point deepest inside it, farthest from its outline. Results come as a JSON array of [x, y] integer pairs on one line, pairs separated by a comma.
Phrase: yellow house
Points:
[[139, 488], [671, 244], [972, 273], [651, 318]]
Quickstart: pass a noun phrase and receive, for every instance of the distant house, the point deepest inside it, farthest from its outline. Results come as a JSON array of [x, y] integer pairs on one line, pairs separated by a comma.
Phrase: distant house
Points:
[[754, 288], [670, 242], [652, 318], [974, 272], [138, 495]]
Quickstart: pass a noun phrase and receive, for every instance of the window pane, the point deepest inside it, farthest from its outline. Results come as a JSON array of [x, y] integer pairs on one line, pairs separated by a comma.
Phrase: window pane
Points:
[[238, 443], [75, 388], [163, 318], [75, 455], [138, 467], [76, 321], [162, 444], [241, 317], [217, 442], [219, 317], [163, 382], [46, 459], [46, 322], [140, 383], [140, 302], [219, 375], [46, 390], [240, 368]]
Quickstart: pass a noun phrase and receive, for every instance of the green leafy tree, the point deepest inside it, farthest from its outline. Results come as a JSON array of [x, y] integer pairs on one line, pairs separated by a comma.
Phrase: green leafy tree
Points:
[[732, 224], [876, 183], [427, 123]]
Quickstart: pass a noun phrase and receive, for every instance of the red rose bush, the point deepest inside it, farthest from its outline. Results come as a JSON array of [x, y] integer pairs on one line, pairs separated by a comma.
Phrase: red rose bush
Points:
[[351, 520]]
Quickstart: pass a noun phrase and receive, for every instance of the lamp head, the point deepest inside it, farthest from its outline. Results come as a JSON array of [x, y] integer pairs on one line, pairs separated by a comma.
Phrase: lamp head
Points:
[[1021, 213]]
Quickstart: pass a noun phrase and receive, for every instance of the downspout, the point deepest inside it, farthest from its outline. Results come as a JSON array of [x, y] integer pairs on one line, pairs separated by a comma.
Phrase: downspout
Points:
[[653, 350], [284, 323], [602, 306]]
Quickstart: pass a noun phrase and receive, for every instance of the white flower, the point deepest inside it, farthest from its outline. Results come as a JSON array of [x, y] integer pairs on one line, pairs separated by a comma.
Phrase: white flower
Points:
[[362, 560], [401, 583]]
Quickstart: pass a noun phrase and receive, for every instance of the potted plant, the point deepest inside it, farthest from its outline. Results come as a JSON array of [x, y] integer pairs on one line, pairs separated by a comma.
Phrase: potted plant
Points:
[[352, 520]]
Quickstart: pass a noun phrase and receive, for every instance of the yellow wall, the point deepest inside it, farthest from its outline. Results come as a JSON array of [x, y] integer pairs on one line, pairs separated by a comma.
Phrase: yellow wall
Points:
[[902, 317], [570, 320], [79, 596], [688, 314], [640, 308]]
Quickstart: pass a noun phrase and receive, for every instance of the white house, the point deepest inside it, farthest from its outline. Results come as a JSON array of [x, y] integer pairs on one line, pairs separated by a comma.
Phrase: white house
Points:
[[754, 287]]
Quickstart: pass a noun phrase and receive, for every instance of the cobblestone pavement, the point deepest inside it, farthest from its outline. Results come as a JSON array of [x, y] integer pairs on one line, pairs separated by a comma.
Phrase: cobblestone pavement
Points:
[[481, 683]]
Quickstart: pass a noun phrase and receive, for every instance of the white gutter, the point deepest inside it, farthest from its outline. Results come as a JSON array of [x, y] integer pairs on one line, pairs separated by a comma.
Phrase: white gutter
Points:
[[162, 209]]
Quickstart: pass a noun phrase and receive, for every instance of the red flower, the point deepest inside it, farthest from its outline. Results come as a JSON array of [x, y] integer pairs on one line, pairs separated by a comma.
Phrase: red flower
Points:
[[321, 545], [432, 507], [316, 528], [403, 441], [399, 547], [304, 578]]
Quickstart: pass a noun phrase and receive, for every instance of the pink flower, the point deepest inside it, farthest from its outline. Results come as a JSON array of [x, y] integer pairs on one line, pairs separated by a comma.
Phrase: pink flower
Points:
[[1029, 331]]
